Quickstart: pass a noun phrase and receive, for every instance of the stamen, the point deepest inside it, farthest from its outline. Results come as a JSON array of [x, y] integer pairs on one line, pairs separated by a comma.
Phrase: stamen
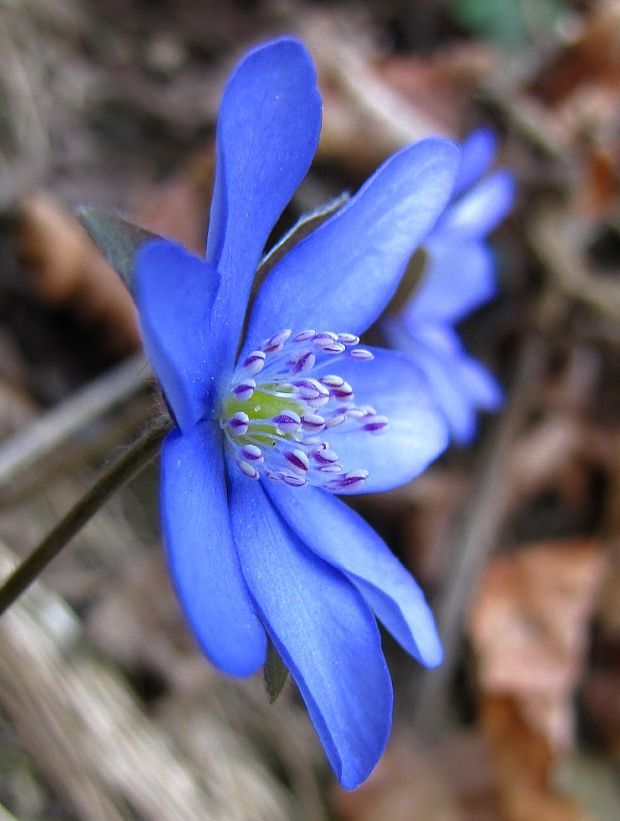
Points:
[[287, 422], [252, 452], [239, 423], [298, 459], [362, 354], [255, 361], [248, 469], [304, 336], [275, 428], [245, 390], [348, 339]]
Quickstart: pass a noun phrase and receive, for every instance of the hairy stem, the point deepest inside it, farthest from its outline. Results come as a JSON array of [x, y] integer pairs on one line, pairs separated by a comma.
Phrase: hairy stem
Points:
[[125, 468]]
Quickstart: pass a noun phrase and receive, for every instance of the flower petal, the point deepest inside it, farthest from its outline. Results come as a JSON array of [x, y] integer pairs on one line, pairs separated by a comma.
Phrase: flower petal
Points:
[[267, 133], [201, 554], [344, 273], [323, 630], [175, 292], [480, 384], [456, 381], [416, 434], [478, 152], [459, 277], [481, 209], [351, 545]]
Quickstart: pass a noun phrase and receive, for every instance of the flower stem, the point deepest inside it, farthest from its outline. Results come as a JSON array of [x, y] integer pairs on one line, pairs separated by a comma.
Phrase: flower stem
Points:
[[125, 468]]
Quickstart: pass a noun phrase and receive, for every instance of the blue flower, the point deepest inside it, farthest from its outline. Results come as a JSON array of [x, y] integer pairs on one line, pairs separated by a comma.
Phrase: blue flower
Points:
[[459, 276], [273, 423]]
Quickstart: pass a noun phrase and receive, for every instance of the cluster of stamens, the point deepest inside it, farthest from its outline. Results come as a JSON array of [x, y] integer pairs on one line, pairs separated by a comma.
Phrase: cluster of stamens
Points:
[[285, 406]]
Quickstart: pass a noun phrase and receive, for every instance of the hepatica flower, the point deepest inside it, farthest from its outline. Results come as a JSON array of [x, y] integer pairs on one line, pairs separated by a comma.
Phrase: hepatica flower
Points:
[[459, 276], [275, 421]]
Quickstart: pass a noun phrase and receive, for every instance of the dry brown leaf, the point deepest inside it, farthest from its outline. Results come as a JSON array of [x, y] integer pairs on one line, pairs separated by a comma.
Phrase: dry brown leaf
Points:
[[66, 269], [524, 761], [452, 782], [529, 630], [179, 207], [592, 55]]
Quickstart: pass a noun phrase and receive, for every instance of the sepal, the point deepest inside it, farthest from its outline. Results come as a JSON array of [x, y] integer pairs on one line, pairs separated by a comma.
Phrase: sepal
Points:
[[118, 239]]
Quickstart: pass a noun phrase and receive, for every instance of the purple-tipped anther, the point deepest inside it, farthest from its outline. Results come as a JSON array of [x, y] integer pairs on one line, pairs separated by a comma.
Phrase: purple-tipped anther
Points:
[[299, 408], [304, 363], [361, 354], [376, 424], [252, 453], [255, 362], [245, 390], [287, 422], [348, 482], [313, 422], [239, 423]]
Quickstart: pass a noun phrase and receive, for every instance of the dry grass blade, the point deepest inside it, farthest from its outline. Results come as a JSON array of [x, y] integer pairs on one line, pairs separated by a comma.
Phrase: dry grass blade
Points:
[[81, 723], [51, 430]]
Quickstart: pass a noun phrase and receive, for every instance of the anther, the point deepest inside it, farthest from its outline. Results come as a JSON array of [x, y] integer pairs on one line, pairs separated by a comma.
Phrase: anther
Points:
[[295, 405], [239, 423], [252, 452], [376, 424], [305, 362], [276, 342], [324, 338], [245, 389], [331, 381], [313, 422], [297, 459], [333, 348], [362, 354], [304, 336], [255, 361], [309, 390], [344, 392], [248, 469], [289, 479], [324, 457], [349, 481], [287, 422]]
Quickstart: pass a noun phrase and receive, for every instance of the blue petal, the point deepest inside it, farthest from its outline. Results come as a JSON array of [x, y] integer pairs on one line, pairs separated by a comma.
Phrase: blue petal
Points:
[[267, 134], [478, 152], [481, 209], [343, 274], [455, 380], [416, 434], [341, 537], [175, 292], [201, 554], [323, 630], [480, 384], [456, 404], [458, 278]]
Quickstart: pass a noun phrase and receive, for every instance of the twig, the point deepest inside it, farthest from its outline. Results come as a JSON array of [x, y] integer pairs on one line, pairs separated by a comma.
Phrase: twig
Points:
[[52, 429], [130, 463]]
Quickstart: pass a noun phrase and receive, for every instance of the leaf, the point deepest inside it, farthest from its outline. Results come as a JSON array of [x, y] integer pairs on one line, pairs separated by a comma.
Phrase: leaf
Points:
[[118, 239], [275, 674]]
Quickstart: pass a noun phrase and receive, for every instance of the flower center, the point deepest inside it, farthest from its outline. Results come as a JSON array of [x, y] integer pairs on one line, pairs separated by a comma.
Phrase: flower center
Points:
[[285, 409]]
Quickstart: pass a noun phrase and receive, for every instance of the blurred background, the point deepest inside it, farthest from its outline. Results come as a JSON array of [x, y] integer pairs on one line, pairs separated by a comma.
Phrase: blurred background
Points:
[[107, 710]]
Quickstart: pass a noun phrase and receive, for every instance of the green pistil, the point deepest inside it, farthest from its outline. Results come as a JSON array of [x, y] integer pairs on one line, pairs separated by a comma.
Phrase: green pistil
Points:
[[261, 406]]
